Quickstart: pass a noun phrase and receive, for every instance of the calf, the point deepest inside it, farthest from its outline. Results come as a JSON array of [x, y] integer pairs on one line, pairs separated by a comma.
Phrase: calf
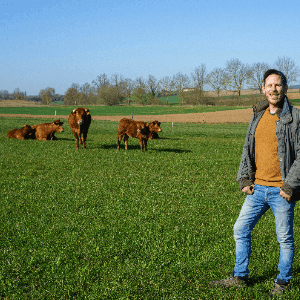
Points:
[[46, 131], [79, 121], [26, 132], [137, 129], [154, 128]]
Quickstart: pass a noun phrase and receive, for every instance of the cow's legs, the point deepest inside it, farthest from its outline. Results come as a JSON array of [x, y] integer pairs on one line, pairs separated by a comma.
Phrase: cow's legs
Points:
[[119, 140], [126, 141], [77, 140], [84, 139], [145, 144], [141, 143], [80, 138]]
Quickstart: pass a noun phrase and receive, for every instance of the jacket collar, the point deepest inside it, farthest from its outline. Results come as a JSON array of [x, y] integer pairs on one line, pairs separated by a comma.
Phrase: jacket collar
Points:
[[283, 113]]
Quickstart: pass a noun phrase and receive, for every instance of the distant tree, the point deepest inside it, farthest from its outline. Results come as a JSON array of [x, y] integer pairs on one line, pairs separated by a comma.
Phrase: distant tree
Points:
[[116, 79], [181, 84], [86, 94], [217, 79], [101, 81], [110, 96], [47, 95], [119, 84], [199, 78], [18, 95], [238, 74], [4, 95], [152, 85], [128, 89], [288, 67], [167, 87], [256, 78], [139, 91], [72, 95]]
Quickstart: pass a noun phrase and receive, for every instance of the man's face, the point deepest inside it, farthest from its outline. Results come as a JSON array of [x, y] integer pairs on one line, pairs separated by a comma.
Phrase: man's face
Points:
[[274, 90]]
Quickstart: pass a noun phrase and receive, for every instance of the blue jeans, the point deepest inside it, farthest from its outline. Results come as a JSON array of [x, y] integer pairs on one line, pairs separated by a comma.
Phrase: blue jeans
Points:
[[254, 207]]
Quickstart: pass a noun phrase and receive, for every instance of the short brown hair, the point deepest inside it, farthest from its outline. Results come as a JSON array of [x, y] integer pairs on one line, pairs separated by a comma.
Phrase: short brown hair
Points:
[[274, 71]]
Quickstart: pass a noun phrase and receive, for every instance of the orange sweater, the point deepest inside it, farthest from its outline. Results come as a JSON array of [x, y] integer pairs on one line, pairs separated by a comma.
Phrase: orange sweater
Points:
[[266, 155]]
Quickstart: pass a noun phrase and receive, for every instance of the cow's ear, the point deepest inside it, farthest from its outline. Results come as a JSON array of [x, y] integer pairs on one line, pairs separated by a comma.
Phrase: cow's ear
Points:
[[74, 110], [87, 111]]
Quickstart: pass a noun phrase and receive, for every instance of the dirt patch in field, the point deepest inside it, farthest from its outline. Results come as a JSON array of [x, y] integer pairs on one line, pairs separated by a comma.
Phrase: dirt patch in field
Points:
[[229, 116], [218, 117]]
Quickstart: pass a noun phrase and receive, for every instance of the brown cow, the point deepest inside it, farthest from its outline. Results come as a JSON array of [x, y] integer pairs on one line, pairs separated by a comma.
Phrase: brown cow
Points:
[[154, 128], [46, 131], [26, 132], [79, 121], [137, 129]]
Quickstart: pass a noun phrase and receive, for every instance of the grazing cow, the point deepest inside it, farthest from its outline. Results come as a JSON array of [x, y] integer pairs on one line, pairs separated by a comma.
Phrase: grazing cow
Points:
[[24, 133], [137, 129], [79, 121], [46, 131]]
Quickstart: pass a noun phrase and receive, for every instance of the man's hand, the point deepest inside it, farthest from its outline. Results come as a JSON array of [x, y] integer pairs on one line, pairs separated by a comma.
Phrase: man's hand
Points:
[[284, 195], [249, 190]]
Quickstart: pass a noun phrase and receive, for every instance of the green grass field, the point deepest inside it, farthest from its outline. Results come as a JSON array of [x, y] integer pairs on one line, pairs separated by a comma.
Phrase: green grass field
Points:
[[106, 224]]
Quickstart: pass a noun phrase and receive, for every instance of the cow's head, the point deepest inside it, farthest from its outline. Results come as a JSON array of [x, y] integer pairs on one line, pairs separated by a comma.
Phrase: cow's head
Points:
[[59, 128], [155, 126], [80, 114]]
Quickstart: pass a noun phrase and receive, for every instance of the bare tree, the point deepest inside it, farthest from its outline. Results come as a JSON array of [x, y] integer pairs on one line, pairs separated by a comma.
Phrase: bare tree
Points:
[[181, 84], [288, 67], [167, 86], [47, 95], [217, 79], [18, 94], [118, 82], [199, 78], [152, 85], [139, 89], [101, 81], [4, 95], [238, 74], [128, 89], [86, 94], [256, 78]]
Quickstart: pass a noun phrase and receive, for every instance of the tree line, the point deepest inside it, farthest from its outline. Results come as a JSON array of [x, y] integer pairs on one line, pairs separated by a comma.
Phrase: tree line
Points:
[[118, 90]]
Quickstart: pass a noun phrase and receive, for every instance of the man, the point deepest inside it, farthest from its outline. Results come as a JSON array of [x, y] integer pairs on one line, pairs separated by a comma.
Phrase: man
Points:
[[269, 174]]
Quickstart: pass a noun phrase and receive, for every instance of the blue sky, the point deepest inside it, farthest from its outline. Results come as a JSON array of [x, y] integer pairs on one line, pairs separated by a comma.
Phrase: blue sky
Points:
[[56, 43]]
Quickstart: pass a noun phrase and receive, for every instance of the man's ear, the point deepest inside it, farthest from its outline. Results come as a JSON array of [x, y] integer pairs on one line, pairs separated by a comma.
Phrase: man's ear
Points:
[[286, 87]]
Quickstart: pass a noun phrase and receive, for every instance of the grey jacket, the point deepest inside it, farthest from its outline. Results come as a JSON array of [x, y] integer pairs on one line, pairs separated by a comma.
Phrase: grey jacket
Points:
[[288, 147]]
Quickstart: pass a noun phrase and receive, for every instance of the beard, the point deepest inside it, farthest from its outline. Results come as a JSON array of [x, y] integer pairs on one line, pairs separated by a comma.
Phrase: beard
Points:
[[275, 99]]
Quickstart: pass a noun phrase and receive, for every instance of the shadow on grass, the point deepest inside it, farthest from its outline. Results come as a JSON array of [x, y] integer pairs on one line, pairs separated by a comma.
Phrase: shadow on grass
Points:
[[173, 150], [270, 275], [64, 139], [137, 147], [167, 138]]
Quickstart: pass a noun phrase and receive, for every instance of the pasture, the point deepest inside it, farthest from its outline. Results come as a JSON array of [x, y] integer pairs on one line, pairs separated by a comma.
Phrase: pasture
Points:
[[106, 224]]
